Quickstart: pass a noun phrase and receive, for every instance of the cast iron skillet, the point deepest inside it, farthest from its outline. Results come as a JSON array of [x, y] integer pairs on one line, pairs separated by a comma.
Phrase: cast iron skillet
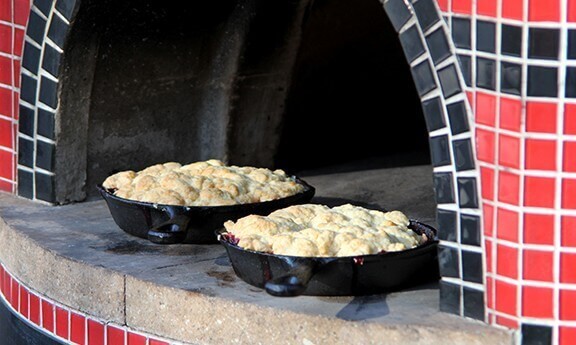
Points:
[[168, 224], [286, 276]]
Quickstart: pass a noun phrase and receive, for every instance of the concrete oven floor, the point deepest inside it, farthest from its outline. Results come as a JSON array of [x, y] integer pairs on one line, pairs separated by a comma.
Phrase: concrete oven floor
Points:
[[77, 256]]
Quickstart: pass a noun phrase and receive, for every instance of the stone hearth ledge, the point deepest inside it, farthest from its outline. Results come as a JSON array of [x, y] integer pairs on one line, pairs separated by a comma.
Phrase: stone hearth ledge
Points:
[[77, 256]]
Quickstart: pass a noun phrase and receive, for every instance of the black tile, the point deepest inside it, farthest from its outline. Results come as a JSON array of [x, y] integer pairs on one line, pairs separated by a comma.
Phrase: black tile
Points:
[[44, 6], [463, 154], [467, 192], [536, 334], [511, 78], [449, 298], [411, 43], [25, 184], [423, 78], [44, 187], [432, 109], [397, 12], [31, 58], [46, 124], [26, 121], [45, 155], [470, 230], [472, 266], [66, 8], [438, 46], [486, 36], [447, 225], [543, 43], [486, 73], [466, 67], [542, 81], [473, 303], [426, 13], [458, 116], [444, 188], [28, 89], [36, 27], [511, 40], [440, 151], [51, 60], [26, 152], [461, 33], [571, 53], [449, 81], [570, 82], [58, 31], [48, 92], [448, 261]]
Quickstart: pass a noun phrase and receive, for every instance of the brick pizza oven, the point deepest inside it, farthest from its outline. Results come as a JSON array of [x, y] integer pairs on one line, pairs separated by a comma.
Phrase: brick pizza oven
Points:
[[88, 87]]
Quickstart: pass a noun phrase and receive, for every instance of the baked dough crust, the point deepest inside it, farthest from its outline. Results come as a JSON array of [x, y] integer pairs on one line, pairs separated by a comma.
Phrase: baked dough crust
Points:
[[314, 230], [205, 183]]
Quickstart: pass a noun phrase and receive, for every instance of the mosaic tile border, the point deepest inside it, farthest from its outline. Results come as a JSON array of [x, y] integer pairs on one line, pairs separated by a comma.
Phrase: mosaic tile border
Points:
[[65, 324]]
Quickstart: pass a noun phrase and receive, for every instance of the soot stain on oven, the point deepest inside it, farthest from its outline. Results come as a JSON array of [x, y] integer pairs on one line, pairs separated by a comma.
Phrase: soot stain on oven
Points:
[[223, 278], [128, 247]]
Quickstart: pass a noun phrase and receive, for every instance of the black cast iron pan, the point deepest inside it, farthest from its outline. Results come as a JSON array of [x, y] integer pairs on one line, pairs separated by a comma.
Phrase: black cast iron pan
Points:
[[168, 224], [286, 276]]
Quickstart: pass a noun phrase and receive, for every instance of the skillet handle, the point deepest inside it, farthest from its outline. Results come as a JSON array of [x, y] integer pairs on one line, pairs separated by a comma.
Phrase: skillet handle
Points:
[[293, 283], [172, 231]]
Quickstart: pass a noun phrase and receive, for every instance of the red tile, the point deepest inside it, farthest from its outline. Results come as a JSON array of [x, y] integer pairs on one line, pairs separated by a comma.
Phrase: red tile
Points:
[[486, 7], [14, 294], [541, 117], [485, 109], [62, 322], [571, 14], [443, 5], [568, 231], [488, 254], [487, 183], [6, 11], [16, 70], [540, 154], [537, 302], [6, 170], [489, 294], [569, 193], [24, 302], [488, 216], [5, 39], [507, 261], [5, 102], [6, 186], [471, 96], [7, 286], [538, 265], [569, 161], [544, 10], [47, 316], [34, 306], [567, 334], [136, 339], [506, 322], [506, 297], [157, 342], [539, 191], [538, 229], [77, 328], [2, 280], [567, 271], [507, 222], [5, 70], [510, 114], [508, 187], [95, 333], [462, 6], [512, 9], [567, 303], [6, 133], [115, 335], [21, 11], [570, 118], [486, 145], [18, 41], [509, 151]]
